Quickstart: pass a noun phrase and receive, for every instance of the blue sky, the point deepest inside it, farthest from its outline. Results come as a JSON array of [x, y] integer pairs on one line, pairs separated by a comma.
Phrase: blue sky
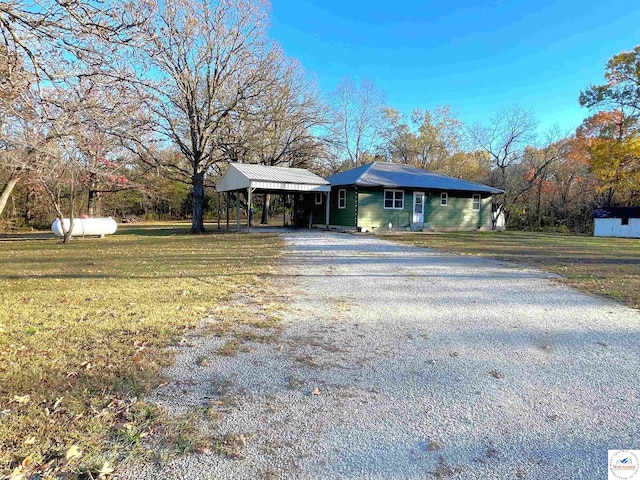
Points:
[[476, 57]]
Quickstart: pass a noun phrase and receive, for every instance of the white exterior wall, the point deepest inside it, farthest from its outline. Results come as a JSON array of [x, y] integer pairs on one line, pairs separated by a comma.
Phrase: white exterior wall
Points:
[[612, 227]]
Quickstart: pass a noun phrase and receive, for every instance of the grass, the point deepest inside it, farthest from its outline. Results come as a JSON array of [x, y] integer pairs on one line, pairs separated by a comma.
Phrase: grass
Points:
[[83, 331], [604, 266]]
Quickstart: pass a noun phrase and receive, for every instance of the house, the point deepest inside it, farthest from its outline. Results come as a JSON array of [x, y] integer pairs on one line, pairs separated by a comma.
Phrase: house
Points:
[[616, 222], [389, 196]]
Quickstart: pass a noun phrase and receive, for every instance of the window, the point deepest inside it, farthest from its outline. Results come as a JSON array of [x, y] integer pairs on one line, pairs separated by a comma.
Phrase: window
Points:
[[444, 199], [394, 199], [318, 198], [624, 221], [417, 204], [342, 198], [476, 202]]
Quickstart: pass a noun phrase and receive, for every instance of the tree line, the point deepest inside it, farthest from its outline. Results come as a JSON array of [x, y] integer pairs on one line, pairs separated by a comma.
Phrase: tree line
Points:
[[136, 108]]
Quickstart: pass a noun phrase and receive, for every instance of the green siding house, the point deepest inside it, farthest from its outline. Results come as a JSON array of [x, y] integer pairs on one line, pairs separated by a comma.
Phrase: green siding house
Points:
[[383, 196]]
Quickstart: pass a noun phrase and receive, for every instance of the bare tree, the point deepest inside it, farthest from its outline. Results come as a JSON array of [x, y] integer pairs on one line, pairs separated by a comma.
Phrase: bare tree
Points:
[[96, 117], [538, 169], [505, 137], [14, 84], [60, 174], [357, 113], [49, 45], [12, 161], [286, 115], [398, 139], [278, 127], [204, 61], [56, 40], [42, 147]]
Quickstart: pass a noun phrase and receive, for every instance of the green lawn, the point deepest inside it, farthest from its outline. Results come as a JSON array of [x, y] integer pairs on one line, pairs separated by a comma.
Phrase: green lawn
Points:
[[605, 266], [83, 329]]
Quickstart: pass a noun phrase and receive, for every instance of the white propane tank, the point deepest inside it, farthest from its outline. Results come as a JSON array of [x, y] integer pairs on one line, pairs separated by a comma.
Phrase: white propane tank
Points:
[[86, 226]]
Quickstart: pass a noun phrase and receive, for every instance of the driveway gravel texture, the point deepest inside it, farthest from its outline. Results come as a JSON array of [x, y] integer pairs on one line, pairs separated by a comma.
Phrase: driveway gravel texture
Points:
[[402, 362]]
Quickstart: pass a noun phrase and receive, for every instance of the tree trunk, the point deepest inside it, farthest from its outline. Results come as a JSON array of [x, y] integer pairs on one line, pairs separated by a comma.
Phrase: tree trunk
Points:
[[609, 196], [93, 207], [265, 209], [29, 201], [8, 188], [67, 233], [72, 213], [538, 205], [503, 177], [197, 189]]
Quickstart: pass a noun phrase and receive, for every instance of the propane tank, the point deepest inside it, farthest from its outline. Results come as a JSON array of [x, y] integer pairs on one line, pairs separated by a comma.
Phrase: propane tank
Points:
[[86, 226]]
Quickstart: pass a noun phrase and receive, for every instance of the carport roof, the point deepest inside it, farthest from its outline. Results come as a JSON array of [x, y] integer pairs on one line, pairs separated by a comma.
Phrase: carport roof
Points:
[[240, 176], [394, 175]]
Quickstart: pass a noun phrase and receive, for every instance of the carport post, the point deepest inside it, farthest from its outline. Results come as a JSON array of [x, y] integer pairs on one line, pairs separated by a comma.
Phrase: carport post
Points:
[[249, 209], [226, 205], [326, 218], [238, 210], [284, 210]]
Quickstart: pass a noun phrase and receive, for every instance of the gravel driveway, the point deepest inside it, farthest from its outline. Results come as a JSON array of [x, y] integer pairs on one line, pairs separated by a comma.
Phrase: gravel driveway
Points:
[[399, 362]]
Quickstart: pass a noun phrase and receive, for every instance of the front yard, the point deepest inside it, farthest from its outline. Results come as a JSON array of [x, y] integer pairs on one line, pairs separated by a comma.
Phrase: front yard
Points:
[[83, 329], [604, 266]]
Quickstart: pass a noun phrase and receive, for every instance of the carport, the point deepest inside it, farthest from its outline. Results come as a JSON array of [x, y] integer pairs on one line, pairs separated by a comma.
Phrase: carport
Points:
[[260, 179]]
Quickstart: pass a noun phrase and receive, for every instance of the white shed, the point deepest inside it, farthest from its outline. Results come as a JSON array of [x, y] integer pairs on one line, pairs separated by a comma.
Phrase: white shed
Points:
[[616, 222]]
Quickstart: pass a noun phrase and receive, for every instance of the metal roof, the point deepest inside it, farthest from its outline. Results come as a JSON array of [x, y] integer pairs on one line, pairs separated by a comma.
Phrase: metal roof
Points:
[[394, 175], [617, 212], [240, 176]]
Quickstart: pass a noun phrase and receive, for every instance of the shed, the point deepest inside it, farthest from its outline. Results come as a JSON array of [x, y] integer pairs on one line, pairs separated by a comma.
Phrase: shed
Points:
[[252, 178], [616, 222], [380, 196]]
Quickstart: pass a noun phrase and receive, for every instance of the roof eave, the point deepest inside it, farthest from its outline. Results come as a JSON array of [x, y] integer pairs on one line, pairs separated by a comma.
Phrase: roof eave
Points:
[[489, 190]]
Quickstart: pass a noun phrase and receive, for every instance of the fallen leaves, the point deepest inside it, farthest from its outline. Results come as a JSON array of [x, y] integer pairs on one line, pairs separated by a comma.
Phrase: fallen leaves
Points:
[[434, 445], [74, 383], [29, 441], [106, 470], [17, 474], [73, 453], [21, 400], [57, 403], [21, 472], [232, 445], [86, 365]]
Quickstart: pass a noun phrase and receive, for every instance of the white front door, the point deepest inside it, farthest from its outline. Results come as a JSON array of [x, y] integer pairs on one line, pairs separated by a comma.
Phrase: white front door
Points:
[[418, 207]]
